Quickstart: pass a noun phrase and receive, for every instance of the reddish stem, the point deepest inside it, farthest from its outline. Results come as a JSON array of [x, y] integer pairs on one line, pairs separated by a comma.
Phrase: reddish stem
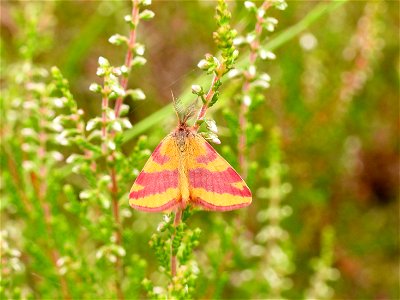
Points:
[[117, 109], [117, 233], [12, 167], [129, 54], [114, 192], [114, 197], [246, 89], [208, 98], [104, 106]]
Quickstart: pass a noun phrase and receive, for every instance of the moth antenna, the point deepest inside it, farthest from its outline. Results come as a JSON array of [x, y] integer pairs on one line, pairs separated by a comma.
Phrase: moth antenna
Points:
[[177, 107], [190, 110], [175, 104]]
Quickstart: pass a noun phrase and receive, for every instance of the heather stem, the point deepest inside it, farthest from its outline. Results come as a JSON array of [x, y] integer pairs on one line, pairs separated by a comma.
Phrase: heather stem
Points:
[[114, 194], [16, 178], [117, 109], [129, 54], [104, 106], [208, 98], [177, 221], [117, 233], [246, 90]]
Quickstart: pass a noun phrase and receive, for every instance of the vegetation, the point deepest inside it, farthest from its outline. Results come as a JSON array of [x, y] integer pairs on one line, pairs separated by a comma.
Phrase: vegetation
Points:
[[300, 97]]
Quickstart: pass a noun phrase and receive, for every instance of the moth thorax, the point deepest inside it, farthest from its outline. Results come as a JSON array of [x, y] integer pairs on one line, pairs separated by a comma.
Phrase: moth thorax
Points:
[[181, 135]]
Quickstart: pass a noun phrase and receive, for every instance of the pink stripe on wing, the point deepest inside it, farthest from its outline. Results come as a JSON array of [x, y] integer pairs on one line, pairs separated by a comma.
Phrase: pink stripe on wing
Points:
[[155, 183], [158, 157], [218, 182], [209, 156]]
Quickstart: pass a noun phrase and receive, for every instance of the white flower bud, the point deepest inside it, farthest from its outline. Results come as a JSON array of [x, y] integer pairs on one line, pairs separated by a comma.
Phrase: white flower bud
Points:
[[57, 156], [103, 61], [247, 100], [139, 50], [196, 88], [252, 70], [117, 126], [203, 64], [84, 195], [127, 123], [249, 5]]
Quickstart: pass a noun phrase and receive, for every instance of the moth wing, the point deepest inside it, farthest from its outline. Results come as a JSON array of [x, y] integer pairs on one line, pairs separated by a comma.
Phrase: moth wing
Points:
[[214, 184], [156, 189]]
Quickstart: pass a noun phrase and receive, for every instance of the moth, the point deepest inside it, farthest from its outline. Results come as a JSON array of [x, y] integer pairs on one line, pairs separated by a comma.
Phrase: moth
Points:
[[184, 169]]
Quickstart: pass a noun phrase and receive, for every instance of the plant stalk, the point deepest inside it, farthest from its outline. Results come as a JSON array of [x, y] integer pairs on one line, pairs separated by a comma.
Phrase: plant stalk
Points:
[[129, 54], [16, 178], [113, 173], [117, 233], [177, 221], [114, 195], [244, 108], [208, 98]]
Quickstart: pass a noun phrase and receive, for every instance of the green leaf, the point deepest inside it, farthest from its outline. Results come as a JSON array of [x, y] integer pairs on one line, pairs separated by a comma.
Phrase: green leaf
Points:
[[214, 99]]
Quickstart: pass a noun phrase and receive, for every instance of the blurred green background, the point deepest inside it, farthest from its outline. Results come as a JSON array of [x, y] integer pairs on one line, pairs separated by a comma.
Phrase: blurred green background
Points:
[[334, 95]]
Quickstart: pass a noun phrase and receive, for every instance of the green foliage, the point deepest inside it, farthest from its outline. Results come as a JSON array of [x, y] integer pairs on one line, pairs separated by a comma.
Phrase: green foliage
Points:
[[278, 263], [319, 288], [299, 112], [224, 36], [175, 240]]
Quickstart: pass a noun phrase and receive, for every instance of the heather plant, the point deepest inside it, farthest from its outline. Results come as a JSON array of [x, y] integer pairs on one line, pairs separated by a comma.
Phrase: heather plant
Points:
[[180, 241], [29, 158], [102, 162], [296, 107], [51, 117], [253, 81], [324, 274], [278, 262]]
